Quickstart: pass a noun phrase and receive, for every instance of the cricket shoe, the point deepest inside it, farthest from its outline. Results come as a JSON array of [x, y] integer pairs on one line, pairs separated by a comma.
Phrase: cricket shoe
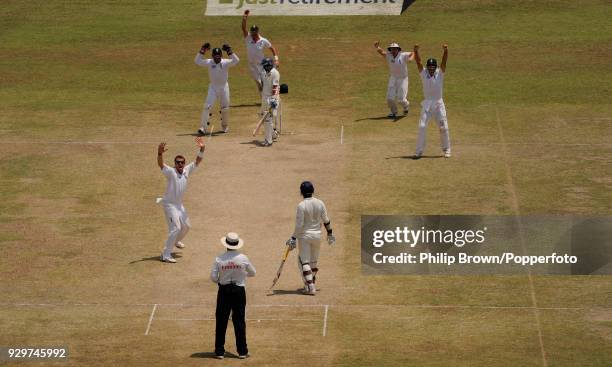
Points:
[[226, 130], [310, 290], [405, 112], [447, 154], [243, 356], [219, 357], [275, 135], [179, 244], [201, 132], [170, 260], [417, 156], [266, 144], [392, 115]]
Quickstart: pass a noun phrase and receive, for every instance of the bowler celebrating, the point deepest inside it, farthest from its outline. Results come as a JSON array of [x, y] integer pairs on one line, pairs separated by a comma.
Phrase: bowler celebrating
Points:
[[433, 104], [176, 215], [256, 44]]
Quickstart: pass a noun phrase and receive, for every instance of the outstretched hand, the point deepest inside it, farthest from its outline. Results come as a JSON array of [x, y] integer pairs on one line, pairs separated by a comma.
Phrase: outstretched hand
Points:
[[161, 148], [416, 48], [246, 13], [445, 47], [200, 142], [377, 44]]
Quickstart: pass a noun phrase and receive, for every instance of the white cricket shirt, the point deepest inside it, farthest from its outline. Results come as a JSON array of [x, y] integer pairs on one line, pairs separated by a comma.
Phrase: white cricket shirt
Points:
[[269, 79], [311, 213], [432, 85], [231, 267], [217, 73], [177, 183], [398, 66], [255, 50]]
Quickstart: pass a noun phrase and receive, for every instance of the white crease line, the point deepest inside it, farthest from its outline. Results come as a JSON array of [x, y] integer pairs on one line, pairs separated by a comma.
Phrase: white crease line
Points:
[[516, 207], [254, 319], [477, 307], [151, 320], [325, 320], [341, 134]]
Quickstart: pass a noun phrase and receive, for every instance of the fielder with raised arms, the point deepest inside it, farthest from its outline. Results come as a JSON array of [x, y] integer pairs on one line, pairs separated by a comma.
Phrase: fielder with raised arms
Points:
[[433, 104], [256, 44], [397, 87], [218, 88], [311, 212], [176, 215]]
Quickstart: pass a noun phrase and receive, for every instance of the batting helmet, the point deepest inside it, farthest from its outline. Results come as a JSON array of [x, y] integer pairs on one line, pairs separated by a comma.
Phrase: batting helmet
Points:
[[432, 62], [216, 51], [267, 64], [307, 189]]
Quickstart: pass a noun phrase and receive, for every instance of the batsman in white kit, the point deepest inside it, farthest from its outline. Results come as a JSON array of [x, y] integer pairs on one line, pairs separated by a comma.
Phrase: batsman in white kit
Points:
[[311, 213], [397, 87], [433, 104], [255, 45], [270, 100], [176, 215], [218, 88]]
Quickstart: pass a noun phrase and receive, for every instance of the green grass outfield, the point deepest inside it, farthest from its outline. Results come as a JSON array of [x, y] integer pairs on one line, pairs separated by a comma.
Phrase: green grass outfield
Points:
[[528, 91]]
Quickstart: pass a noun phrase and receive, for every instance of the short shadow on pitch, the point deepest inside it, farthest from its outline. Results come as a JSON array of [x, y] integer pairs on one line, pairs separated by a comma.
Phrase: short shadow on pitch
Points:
[[175, 255], [212, 355], [246, 105], [215, 133], [254, 142], [413, 157], [278, 292], [381, 118]]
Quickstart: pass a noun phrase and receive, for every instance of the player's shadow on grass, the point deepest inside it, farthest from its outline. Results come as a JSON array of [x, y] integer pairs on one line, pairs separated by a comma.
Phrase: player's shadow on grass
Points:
[[279, 292], [212, 355], [175, 255], [382, 118], [414, 158]]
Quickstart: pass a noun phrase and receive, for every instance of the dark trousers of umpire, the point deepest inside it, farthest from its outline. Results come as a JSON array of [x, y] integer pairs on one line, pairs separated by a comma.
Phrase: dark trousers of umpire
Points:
[[232, 298]]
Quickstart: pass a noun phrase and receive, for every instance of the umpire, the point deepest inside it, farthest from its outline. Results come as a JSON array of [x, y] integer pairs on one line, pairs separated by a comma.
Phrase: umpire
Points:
[[229, 272]]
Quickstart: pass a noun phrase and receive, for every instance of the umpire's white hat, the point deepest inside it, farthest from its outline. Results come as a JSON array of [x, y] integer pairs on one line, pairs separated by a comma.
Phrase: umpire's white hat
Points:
[[232, 241], [394, 45]]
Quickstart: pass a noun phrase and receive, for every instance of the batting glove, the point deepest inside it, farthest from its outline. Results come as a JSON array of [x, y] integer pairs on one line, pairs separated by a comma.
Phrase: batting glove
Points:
[[331, 239], [292, 243]]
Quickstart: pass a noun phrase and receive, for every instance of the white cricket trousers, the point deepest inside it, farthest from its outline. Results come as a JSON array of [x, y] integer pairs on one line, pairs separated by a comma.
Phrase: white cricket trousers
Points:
[[216, 92], [308, 259], [255, 70], [397, 91], [178, 226], [436, 110], [269, 121]]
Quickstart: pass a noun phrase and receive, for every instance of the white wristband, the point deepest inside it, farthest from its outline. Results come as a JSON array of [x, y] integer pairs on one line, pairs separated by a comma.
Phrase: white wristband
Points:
[[275, 58]]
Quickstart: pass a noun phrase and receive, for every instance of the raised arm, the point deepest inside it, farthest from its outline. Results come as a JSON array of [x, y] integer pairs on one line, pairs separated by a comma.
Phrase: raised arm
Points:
[[161, 148], [444, 58], [200, 143], [234, 58], [417, 58], [275, 53], [382, 52], [199, 59], [244, 23]]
